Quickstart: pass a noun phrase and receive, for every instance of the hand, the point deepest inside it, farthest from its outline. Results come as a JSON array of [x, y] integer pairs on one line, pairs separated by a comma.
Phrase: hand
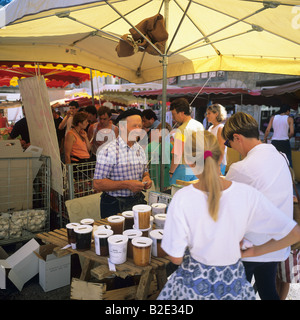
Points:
[[136, 186], [83, 133], [250, 252], [147, 182]]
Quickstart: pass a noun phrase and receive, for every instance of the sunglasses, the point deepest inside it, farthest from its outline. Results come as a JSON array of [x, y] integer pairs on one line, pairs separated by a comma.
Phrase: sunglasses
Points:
[[227, 143]]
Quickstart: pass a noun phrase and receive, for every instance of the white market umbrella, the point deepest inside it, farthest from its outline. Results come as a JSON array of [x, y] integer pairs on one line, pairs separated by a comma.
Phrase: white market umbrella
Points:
[[204, 35]]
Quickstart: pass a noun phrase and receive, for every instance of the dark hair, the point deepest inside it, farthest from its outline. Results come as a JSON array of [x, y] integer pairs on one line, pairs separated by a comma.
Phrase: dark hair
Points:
[[181, 105], [240, 123], [74, 103], [284, 108], [79, 117], [128, 113], [91, 109], [149, 114], [103, 110]]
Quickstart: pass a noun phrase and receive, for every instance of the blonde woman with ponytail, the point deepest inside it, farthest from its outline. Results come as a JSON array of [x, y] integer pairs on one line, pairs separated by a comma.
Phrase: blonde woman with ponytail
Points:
[[205, 227]]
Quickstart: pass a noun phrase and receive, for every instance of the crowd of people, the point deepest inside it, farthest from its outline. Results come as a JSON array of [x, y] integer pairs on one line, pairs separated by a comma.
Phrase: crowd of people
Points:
[[223, 229]]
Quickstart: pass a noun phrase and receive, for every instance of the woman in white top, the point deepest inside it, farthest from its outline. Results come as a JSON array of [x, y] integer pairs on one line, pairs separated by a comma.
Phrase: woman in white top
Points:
[[216, 114], [283, 126], [205, 226]]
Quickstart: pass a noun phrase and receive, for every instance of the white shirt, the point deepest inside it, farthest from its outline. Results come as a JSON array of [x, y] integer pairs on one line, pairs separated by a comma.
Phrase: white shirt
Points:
[[214, 131], [242, 209], [265, 169]]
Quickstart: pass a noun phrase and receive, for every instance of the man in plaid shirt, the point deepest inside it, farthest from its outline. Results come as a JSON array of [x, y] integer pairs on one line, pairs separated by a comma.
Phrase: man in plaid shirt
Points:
[[121, 171]]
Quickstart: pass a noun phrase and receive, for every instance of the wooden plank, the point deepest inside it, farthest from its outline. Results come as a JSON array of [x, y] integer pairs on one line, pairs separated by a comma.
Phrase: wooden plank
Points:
[[144, 285], [122, 270], [82, 290], [127, 293], [86, 269], [101, 272], [161, 276]]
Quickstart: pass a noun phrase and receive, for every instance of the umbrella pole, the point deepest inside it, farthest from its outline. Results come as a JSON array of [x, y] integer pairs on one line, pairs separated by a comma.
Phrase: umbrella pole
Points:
[[164, 100], [92, 87], [163, 120]]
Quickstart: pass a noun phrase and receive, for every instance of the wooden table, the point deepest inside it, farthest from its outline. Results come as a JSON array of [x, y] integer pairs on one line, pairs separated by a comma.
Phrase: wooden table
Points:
[[152, 277]]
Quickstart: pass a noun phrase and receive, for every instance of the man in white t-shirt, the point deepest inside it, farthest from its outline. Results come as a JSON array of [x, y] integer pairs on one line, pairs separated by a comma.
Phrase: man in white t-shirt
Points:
[[264, 168], [181, 113]]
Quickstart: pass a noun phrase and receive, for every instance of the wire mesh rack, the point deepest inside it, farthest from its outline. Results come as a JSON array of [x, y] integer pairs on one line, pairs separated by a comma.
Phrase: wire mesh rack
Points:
[[77, 182], [24, 197]]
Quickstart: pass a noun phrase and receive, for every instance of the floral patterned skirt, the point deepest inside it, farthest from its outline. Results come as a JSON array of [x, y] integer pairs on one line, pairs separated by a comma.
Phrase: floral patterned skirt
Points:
[[196, 281]]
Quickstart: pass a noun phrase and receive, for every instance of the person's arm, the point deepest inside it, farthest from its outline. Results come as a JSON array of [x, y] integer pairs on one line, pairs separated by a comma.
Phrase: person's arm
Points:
[[69, 141], [116, 131], [85, 137], [268, 129], [221, 140], [147, 180], [273, 245], [64, 121], [176, 152], [291, 127], [90, 132], [112, 185]]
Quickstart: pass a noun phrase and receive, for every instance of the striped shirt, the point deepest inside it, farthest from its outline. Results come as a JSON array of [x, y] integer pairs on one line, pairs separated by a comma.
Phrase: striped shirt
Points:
[[117, 161]]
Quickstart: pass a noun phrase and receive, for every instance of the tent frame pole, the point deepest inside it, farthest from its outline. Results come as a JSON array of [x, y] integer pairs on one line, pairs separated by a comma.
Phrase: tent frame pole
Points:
[[164, 99]]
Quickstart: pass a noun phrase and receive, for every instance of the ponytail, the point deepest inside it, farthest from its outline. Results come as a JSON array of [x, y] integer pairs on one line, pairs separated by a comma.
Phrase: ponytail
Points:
[[211, 182], [207, 142], [210, 175]]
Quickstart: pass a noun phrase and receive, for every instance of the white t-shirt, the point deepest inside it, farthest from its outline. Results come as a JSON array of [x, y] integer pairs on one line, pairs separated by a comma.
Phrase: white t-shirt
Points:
[[265, 169], [242, 209], [214, 131]]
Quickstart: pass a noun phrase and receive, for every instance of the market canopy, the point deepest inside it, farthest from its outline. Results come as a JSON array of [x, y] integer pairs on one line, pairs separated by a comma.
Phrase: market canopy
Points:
[[204, 35], [287, 94], [201, 96], [56, 76]]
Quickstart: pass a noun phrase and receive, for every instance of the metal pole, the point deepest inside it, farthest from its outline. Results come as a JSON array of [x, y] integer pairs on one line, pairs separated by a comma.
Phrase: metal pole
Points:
[[92, 87], [164, 100]]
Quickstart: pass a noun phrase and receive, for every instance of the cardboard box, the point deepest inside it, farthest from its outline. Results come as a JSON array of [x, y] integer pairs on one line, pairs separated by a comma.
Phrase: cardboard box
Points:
[[54, 272], [23, 265]]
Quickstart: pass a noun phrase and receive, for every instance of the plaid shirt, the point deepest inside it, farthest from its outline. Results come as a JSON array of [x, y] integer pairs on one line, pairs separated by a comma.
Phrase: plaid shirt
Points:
[[118, 162]]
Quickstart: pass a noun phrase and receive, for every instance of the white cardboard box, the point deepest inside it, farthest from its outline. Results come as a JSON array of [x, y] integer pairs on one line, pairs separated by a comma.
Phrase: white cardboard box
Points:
[[54, 272], [23, 265]]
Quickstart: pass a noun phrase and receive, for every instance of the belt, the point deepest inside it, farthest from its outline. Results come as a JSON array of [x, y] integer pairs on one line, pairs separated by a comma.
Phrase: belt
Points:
[[123, 198]]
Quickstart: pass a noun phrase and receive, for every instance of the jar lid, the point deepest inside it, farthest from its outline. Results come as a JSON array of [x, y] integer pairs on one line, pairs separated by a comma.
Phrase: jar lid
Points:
[[103, 233], [157, 234], [132, 233], [115, 218], [87, 221], [117, 239], [142, 242], [158, 205], [83, 229], [160, 216], [128, 214], [141, 208], [104, 226], [72, 225]]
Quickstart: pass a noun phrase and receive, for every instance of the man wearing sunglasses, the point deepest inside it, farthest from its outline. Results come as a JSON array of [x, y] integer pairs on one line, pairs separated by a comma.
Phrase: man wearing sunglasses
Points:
[[264, 168]]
